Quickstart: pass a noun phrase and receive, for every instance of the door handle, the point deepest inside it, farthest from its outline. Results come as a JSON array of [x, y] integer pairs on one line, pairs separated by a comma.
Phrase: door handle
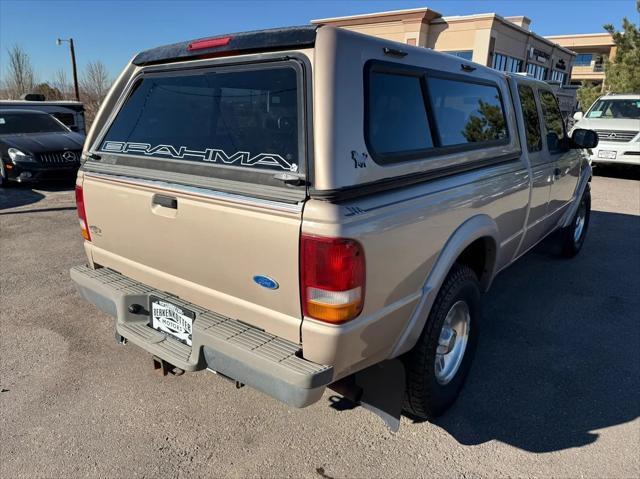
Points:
[[165, 201]]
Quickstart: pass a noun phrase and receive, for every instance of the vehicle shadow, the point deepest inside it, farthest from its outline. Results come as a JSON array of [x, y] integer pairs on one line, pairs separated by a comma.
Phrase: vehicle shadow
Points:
[[559, 352], [623, 172], [18, 195]]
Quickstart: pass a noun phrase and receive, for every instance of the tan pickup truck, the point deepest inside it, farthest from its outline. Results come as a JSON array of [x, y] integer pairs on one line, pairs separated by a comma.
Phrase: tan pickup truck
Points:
[[309, 207]]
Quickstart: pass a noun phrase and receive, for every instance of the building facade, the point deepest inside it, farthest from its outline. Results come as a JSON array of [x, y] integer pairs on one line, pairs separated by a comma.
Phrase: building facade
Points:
[[592, 50], [504, 43]]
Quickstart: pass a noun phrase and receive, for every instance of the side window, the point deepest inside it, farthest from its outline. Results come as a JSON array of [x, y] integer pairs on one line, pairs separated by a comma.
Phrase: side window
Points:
[[531, 119], [466, 112], [412, 113], [552, 121], [397, 120]]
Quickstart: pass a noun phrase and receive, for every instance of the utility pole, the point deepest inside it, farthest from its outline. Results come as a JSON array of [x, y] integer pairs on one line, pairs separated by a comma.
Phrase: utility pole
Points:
[[73, 64]]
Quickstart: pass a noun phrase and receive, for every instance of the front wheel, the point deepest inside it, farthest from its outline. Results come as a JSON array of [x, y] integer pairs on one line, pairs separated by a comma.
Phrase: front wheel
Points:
[[438, 364], [573, 235]]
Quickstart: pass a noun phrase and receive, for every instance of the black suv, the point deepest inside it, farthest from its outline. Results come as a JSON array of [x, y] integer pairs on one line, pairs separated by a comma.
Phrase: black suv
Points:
[[35, 146]]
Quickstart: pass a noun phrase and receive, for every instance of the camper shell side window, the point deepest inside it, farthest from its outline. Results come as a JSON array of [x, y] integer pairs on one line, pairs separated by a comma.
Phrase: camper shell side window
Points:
[[415, 113]]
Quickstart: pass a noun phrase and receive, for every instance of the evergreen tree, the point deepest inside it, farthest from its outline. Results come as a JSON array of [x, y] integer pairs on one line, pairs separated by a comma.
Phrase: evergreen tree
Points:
[[622, 75]]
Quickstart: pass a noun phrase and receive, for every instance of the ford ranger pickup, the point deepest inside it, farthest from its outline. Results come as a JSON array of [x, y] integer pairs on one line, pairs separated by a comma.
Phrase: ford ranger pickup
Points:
[[310, 207]]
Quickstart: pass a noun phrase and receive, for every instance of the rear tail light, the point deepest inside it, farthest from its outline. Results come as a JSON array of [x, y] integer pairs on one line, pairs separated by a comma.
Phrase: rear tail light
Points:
[[332, 274], [82, 214]]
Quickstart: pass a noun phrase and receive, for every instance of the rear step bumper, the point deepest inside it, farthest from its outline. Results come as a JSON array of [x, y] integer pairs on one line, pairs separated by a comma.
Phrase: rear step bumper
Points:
[[235, 349]]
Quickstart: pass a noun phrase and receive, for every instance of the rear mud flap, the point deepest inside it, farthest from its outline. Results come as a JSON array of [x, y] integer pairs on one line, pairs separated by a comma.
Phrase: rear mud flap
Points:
[[379, 388]]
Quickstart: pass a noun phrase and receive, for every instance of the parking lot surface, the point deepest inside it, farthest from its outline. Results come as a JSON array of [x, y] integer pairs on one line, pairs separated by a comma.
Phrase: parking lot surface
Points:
[[554, 390]]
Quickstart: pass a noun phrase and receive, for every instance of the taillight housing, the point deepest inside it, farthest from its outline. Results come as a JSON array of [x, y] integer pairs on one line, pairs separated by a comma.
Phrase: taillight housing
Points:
[[332, 278], [82, 214]]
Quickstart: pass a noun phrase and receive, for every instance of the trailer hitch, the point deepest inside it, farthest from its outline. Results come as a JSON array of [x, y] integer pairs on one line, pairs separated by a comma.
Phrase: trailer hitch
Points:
[[166, 368]]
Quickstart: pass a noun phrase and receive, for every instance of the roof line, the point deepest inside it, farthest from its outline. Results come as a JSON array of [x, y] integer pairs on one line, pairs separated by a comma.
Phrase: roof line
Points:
[[464, 17], [578, 35], [375, 14], [505, 22], [534, 34]]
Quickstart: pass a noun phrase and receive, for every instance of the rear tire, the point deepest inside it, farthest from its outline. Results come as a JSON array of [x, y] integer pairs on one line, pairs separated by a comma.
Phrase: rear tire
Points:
[[435, 368], [573, 235]]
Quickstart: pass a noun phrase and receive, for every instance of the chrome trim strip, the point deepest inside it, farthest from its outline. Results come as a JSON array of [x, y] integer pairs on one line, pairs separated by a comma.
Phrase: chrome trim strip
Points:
[[512, 237], [200, 192]]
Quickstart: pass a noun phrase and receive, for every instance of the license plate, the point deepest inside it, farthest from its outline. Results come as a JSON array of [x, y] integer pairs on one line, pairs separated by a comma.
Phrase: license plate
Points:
[[172, 319], [608, 154]]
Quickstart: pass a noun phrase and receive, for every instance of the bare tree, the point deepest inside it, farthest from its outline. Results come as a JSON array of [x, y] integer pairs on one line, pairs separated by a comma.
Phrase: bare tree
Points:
[[95, 81], [94, 86], [20, 76], [61, 83]]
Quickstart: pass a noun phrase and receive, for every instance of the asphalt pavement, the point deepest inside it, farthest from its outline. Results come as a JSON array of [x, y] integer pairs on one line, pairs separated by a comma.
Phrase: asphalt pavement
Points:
[[554, 390]]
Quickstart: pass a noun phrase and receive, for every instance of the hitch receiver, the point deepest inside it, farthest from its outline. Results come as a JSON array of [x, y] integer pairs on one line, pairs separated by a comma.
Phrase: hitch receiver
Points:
[[165, 368]]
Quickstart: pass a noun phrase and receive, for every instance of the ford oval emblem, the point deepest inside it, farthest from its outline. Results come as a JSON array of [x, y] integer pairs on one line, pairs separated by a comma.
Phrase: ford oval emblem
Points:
[[266, 282]]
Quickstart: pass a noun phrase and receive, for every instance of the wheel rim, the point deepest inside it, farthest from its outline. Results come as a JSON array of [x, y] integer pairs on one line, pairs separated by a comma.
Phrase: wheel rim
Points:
[[452, 342], [580, 221]]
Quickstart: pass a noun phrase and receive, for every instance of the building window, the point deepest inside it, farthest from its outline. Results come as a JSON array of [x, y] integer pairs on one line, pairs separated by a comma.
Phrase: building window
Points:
[[598, 65], [583, 60], [536, 71], [466, 54], [506, 63], [559, 76]]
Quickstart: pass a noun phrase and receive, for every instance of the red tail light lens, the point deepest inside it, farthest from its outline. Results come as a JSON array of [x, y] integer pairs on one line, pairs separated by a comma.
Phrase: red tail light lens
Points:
[[208, 43], [82, 214], [332, 274]]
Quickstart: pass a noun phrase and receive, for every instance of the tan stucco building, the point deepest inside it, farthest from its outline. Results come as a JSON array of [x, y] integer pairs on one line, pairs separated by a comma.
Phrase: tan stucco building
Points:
[[592, 49], [504, 43]]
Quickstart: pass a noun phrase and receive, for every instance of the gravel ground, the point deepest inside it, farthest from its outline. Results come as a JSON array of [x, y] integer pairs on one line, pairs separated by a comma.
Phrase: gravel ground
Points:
[[554, 390]]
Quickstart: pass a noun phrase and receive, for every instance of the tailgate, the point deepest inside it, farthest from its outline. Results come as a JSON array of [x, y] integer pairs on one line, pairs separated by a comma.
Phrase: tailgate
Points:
[[204, 247]]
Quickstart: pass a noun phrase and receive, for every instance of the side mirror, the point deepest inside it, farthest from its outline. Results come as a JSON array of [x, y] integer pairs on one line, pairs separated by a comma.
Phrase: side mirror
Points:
[[578, 116], [584, 138]]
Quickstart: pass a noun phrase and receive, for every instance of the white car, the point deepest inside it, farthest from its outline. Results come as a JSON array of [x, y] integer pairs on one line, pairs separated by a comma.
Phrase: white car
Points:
[[616, 119]]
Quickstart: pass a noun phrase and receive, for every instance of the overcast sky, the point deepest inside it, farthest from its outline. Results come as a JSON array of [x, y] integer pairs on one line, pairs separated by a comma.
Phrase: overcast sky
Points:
[[113, 31]]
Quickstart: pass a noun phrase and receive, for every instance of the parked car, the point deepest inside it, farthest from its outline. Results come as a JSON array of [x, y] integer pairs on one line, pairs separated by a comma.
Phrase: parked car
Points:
[[311, 207], [616, 119], [71, 113], [35, 146]]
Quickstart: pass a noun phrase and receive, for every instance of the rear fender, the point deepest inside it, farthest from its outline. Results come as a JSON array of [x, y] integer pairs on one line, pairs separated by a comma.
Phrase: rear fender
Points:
[[477, 227]]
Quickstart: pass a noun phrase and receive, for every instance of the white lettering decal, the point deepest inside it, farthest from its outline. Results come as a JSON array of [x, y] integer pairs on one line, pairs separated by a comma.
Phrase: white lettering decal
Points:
[[211, 155]]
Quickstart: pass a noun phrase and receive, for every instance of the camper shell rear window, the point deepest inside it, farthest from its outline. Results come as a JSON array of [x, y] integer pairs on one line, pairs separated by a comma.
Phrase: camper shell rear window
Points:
[[245, 118]]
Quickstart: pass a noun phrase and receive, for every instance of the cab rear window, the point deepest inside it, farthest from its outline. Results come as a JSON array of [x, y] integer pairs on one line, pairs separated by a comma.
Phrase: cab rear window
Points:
[[245, 119]]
